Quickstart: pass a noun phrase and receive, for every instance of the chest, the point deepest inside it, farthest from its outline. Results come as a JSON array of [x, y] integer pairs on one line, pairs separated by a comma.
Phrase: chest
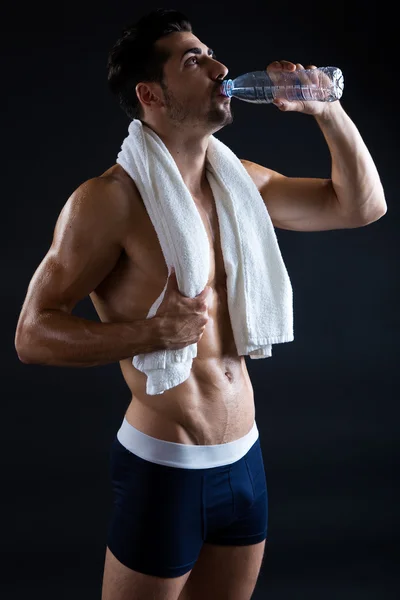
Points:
[[145, 250], [141, 273]]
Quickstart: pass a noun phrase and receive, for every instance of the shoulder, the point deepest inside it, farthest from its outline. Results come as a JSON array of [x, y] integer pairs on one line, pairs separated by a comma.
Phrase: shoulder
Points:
[[259, 174], [116, 179], [113, 192], [107, 200]]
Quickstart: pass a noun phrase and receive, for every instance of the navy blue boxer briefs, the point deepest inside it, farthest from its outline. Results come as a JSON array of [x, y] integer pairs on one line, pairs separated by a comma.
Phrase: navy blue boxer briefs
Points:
[[162, 514]]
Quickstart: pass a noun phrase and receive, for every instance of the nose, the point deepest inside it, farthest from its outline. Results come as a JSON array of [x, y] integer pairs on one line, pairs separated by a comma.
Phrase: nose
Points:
[[220, 71]]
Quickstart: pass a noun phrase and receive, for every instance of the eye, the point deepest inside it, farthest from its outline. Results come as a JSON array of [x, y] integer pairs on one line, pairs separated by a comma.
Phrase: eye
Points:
[[188, 61]]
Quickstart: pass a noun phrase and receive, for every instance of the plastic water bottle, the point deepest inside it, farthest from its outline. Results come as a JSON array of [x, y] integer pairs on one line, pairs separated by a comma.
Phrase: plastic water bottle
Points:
[[324, 84]]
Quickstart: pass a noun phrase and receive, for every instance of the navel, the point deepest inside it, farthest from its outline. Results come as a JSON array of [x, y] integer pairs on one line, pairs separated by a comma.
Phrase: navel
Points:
[[229, 375]]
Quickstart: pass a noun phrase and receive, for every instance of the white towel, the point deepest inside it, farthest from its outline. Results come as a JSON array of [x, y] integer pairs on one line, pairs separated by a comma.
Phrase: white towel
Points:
[[259, 291]]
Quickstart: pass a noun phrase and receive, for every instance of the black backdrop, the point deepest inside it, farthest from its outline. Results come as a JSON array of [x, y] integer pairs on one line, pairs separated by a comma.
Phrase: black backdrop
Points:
[[326, 404]]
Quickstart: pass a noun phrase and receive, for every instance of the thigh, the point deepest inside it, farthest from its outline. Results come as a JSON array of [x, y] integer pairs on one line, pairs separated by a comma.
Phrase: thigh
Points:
[[155, 526], [122, 583], [224, 573]]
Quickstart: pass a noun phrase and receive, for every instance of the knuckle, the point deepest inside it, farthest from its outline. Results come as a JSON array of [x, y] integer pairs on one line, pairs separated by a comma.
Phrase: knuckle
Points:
[[274, 65]]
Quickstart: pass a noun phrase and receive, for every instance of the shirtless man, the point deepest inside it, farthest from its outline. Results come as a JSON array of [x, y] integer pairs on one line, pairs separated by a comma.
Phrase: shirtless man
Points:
[[105, 246]]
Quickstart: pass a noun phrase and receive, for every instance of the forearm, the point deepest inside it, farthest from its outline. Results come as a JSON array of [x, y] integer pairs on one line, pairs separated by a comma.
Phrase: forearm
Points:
[[59, 339], [355, 179]]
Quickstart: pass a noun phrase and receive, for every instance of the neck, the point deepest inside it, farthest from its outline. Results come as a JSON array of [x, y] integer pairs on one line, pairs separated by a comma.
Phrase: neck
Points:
[[189, 152]]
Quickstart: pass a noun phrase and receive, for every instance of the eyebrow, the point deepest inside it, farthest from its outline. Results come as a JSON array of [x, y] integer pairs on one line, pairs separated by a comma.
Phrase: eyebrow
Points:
[[199, 51]]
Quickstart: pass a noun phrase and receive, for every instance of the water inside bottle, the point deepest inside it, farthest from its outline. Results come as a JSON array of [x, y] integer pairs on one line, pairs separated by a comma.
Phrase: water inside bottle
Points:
[[251, 87]]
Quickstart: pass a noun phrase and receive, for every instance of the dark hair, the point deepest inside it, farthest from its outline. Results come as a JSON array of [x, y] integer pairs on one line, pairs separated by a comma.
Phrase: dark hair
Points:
[[134, 57]]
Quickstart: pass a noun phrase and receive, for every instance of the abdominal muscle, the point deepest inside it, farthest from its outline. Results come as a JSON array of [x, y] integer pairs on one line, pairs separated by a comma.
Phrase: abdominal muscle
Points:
[[215, 405], [206, 409]]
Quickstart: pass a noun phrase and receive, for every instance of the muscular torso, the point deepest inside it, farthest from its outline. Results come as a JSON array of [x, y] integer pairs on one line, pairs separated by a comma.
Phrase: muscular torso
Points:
[[215, 404]]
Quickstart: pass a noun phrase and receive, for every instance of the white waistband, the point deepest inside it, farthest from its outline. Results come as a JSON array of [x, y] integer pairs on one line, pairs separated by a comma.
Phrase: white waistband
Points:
[[184, 456]]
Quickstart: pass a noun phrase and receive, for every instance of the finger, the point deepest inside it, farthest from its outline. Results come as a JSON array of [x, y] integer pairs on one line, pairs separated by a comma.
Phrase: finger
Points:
[[278, 68], [286, 106], [301, 75], [281, 64], [289, 66], [313, 76], [274, 70], [274, 65], [305, 77]]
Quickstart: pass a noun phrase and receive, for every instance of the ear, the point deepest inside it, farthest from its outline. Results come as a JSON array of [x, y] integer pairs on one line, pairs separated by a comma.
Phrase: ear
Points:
[[147, 94]]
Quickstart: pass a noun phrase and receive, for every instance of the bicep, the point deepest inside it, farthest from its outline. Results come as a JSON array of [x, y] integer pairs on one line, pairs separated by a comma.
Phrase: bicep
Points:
[[86, 246]]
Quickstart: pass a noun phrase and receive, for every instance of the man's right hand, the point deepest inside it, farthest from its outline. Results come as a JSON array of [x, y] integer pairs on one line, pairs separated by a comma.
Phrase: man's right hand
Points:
[[182, 320]]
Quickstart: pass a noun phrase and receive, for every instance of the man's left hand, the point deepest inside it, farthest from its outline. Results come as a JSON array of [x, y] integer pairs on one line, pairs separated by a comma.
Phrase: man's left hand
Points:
[[309, 107]]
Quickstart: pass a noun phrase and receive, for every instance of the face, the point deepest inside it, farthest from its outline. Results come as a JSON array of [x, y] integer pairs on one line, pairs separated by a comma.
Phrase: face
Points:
[[192, 85]]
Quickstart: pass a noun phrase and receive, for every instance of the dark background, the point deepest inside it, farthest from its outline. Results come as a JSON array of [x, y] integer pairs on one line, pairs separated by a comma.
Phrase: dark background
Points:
[[327, 403]]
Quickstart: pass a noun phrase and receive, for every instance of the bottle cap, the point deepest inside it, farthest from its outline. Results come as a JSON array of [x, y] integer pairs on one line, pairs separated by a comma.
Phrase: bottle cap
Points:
[[226, 87]]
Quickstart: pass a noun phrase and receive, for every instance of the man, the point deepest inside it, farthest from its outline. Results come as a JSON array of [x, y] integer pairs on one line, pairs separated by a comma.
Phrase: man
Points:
[[105, 245]]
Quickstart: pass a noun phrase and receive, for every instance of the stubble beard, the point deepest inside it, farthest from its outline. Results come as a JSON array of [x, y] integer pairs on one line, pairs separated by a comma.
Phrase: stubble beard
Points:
[[180, 114]]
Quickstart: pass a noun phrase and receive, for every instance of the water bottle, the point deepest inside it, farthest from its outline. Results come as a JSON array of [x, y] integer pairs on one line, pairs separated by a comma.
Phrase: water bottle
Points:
[[324, 84]]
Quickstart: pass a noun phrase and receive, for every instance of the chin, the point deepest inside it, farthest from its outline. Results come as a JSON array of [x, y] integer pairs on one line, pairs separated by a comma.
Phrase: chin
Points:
[[220, 116]]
